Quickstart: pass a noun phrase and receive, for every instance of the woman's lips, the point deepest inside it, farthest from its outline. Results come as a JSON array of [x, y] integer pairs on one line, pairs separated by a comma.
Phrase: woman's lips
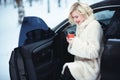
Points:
[[78, 22]]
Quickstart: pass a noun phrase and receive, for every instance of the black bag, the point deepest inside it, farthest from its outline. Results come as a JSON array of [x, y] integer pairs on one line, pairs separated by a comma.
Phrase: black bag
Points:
[[16, 64]]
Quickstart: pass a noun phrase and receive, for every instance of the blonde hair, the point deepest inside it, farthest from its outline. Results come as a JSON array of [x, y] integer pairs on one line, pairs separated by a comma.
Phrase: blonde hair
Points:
[[82, 8]]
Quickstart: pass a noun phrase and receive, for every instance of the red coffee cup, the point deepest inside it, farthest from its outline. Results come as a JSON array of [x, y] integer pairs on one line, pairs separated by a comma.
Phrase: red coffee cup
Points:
[[70, 36]]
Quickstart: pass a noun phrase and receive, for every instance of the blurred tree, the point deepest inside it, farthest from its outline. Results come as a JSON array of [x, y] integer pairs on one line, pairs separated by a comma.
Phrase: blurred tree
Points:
[[21, 12], [19, 3], [0, 2], [59, 3], [48, 4], [5, 2], [30, 2]]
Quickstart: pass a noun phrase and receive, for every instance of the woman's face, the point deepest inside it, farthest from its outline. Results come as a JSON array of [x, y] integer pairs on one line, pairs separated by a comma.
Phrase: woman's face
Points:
[[78, 17]]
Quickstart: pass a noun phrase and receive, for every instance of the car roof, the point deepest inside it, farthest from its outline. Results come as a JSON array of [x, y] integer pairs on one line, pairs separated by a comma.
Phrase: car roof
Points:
[[105, 4]]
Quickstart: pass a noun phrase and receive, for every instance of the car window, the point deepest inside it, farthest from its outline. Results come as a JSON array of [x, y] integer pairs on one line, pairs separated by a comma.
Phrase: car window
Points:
[[104, 16]]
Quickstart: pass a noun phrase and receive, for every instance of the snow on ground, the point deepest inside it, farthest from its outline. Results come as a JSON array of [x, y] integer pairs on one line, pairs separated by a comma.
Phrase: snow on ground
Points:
[[9, 28]]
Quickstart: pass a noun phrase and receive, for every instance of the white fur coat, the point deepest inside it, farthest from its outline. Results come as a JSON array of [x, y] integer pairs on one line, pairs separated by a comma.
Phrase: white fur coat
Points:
[[86, 48]]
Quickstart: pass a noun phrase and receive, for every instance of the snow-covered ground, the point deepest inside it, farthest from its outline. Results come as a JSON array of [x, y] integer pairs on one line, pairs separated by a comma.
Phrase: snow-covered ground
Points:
[[9, 28]]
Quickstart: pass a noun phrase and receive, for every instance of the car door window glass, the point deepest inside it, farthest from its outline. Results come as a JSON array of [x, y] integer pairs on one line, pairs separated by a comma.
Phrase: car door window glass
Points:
[[37, 35], [101, 16]]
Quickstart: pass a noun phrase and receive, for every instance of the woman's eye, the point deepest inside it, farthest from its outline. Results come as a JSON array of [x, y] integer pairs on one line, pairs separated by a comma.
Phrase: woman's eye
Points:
[[76, 16]]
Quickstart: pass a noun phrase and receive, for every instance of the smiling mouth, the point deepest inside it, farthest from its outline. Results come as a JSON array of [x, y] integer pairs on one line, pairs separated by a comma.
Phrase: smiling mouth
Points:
[[78, 22]]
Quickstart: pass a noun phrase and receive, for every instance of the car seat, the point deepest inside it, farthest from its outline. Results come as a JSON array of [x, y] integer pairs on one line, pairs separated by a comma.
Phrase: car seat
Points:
[[113, 30]]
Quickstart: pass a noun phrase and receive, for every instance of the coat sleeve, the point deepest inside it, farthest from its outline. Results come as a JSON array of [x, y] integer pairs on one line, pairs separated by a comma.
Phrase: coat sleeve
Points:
[[88, 45]]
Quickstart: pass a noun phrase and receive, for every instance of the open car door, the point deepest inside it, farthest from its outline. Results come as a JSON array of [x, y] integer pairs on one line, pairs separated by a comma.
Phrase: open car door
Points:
[[35, 57]]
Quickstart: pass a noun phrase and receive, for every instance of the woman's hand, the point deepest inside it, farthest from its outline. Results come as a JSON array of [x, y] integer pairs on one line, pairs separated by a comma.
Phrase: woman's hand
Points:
[[69, 40]]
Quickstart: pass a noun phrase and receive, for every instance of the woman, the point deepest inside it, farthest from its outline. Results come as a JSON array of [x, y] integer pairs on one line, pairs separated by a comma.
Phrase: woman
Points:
[[85, 46]]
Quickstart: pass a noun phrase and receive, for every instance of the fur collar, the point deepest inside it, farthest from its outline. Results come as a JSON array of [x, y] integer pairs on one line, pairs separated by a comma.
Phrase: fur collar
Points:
[[83, 25]]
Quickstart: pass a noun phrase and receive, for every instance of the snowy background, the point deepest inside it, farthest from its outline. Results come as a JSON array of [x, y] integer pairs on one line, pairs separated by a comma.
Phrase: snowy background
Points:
[[9, 27]]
